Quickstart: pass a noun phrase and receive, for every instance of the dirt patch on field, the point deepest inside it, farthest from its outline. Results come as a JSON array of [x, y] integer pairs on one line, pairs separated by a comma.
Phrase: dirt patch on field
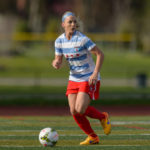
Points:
[[64, 110]]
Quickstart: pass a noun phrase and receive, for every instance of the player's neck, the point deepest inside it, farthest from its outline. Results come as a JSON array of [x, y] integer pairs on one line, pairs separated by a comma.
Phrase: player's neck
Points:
[[69, 35]]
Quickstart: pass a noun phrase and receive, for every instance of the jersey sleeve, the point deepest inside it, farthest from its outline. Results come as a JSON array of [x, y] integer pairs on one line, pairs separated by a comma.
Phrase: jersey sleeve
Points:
[[88, 43], [58, 49]]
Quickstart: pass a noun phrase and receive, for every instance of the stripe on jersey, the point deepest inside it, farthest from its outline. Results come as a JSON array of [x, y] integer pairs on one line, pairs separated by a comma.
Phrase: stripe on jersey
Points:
[[89, 45], [83, 67], [72, 50], [78, 58], [58, 50], [68, 44], [81, 75]]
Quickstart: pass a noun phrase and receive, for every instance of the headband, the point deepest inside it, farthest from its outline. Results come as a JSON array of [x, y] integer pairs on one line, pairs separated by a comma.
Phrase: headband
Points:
[[66, 15]]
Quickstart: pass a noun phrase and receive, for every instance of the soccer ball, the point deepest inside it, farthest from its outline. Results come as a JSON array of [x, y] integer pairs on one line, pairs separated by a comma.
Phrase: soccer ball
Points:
[[48, 137]]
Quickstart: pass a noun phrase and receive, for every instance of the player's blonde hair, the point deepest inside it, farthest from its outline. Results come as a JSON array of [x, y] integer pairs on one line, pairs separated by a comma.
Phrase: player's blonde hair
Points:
[[79, 22]]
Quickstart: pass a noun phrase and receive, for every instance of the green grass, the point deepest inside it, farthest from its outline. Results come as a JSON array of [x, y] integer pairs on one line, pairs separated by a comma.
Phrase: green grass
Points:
[[36, 60], [119, 64], [128, 133]]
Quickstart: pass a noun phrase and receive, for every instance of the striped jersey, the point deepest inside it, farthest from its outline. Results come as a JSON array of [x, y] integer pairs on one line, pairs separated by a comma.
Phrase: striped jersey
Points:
[[77, 53]]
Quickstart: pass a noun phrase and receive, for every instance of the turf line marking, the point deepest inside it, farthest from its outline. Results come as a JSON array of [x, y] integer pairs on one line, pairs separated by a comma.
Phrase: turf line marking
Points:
[[106, 135], [18, 146], [57, 130], [129, 122], [112, 122], [20, 130], [147, 134], [135, 127], [34, 146], [103, 146]]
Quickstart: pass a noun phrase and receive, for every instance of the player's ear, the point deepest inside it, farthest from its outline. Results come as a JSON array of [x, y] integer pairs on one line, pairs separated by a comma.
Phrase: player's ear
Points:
[[63, 24]]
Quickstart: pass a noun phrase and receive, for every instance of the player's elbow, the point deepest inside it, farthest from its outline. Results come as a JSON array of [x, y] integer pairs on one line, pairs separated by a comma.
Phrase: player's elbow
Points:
[[102, 55]]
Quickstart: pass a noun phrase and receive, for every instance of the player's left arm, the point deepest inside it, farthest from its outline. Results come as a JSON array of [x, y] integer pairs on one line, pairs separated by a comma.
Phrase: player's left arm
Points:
[[99, 61]]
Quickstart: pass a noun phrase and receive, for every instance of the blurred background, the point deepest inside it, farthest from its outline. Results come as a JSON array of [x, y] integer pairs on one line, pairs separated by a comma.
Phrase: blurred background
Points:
[[28, 29]]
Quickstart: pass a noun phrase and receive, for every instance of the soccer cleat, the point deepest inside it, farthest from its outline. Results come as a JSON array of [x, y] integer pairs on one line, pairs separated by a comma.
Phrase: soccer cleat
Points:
[[90, 141], [106, 124]]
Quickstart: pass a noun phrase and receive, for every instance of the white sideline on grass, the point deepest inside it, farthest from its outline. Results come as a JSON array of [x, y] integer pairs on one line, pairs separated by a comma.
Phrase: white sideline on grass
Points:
[[33, 146]]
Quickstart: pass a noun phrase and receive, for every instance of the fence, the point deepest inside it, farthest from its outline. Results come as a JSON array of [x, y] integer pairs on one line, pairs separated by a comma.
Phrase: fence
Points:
[[105, 37], [108, 40]]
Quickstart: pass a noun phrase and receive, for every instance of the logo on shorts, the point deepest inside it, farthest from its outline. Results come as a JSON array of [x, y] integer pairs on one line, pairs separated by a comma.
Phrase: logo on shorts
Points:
[[91, 88]]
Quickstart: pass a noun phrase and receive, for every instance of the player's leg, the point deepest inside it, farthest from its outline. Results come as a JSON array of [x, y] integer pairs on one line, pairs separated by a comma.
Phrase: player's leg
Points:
[[94, 113], [82, 102], [72, 103], [103, 117], [81, 120], [87, 92]]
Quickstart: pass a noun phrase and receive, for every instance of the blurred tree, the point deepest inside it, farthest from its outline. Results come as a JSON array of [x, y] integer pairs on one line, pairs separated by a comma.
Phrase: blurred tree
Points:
[[121, 16], [34, 16], [7, 6], [140, 16]]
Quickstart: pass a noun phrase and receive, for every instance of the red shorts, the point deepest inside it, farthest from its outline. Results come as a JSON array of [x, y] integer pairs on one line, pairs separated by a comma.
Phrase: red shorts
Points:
[[75, 87]]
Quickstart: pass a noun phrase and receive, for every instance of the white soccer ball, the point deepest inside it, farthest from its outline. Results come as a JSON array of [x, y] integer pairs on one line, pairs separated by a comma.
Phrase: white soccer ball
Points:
[[48, 137]]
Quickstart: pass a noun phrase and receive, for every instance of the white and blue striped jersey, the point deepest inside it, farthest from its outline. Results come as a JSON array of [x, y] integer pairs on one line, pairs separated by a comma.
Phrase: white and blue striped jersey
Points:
[[77, 53]]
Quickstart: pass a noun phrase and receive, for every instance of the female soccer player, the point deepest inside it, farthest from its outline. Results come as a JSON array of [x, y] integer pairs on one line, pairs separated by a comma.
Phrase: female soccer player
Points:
[[84, 79]]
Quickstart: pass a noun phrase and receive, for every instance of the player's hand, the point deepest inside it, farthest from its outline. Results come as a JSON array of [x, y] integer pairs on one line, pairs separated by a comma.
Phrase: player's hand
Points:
[[93, 79], [56, 64]]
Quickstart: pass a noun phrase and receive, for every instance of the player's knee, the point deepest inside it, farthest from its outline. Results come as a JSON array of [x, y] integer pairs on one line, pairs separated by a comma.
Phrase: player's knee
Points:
[[72, 111], [80, 110]]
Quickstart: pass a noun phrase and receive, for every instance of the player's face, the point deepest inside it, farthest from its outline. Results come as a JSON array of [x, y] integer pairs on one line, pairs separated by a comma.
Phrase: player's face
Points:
[[70, 24]]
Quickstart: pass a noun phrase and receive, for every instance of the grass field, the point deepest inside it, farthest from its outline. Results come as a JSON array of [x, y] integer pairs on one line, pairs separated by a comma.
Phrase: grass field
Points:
[[21, 133], [35, 61]]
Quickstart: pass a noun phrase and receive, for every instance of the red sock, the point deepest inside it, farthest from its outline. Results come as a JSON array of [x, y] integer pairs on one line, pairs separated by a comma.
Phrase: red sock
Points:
[[94, 113], [84, 124]]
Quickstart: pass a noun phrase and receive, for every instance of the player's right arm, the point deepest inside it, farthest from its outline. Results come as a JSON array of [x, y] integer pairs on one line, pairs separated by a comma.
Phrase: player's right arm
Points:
[[57, 61], [58, 53]]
